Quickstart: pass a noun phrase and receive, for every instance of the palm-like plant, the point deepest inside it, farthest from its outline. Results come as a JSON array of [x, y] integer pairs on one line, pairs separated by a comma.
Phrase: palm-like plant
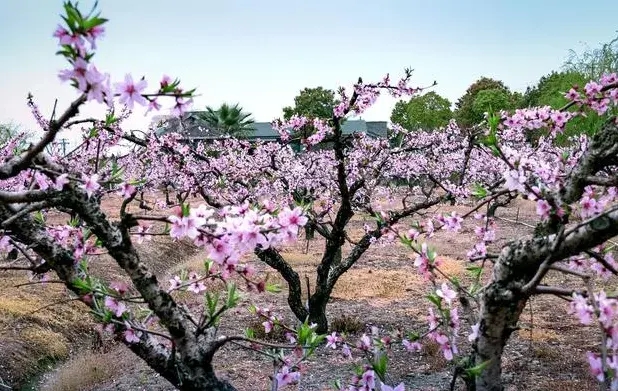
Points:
[[228, 119]]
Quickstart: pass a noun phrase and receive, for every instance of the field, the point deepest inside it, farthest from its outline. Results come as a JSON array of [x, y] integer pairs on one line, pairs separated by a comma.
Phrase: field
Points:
[[383, 289]]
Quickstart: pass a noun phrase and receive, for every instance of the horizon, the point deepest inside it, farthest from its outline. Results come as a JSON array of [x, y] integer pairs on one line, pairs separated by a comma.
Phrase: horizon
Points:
[[261, 57]]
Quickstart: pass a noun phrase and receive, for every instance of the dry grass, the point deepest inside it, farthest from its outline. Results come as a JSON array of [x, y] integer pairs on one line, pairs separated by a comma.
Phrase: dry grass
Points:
[[365, 283], [33, 338], [84, 372], [347, 324]]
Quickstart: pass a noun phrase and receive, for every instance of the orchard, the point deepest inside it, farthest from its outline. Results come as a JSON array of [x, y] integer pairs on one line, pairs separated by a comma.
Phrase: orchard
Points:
[[235, 198]]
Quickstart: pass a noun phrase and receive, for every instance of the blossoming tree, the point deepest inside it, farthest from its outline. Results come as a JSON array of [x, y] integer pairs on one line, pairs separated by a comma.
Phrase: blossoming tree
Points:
[[250, 193]]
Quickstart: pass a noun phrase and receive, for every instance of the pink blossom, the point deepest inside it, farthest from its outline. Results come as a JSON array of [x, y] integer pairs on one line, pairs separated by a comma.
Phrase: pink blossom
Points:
[[368, 379], [126, 190], [400, 387], [117, 307], [331, 340], [5, 244], [475, 332], [412, 346], [596, 366], [60, 181], [181, 106], [446, 293], [364, 342], [131, 335], [515, 180], [90, 184], [543, 208], [285, 377], [41, 180], [175, 283], [131, 92], [142, 233]]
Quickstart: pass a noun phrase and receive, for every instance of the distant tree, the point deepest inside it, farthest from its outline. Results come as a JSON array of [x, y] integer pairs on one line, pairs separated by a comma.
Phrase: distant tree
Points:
[[229, 119], [492, 100], [468, 115], [550, 89], [428, 111], [10, 132], [312, 103], [593, 63]]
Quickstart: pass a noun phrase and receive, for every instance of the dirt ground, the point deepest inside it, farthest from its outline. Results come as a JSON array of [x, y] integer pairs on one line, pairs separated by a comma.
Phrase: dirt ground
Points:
[[383, 289]]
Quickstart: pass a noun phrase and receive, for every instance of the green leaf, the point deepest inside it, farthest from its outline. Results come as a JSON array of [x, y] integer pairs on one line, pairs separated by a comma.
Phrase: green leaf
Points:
[[186, 209], [273, 288], [479, 191], [39, 217], [380, 364], [249, 333], [435, 299], [477, 370], [232, 296], [475, 271]]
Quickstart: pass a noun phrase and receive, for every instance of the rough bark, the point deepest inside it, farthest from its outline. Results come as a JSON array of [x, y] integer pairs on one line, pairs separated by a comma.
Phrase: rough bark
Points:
[[189, 366], [505, 297]]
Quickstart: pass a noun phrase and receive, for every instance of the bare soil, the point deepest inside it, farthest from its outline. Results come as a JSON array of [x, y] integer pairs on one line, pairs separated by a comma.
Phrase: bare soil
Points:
[[383, 289]]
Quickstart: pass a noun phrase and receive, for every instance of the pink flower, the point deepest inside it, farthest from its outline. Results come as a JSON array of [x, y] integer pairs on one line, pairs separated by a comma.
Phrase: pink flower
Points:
[[331, 340], [184, 226], [364, 343], [543, 208], [453, 222], [285, 377], [596, 366], [579, 306], [153, 105], [182, 105], [90, 184], [268, 326], [61, 180], [41, 180], [117, 307], [514, 180], [589, 206], [412, 346], [446, 293], [369, 379], [126, 190], [131, 335], [131, 92], [475, 332], [197, 287], [175, 283], [400, 387], [142, 233], [5, 244], [445, 346], [292, 219]]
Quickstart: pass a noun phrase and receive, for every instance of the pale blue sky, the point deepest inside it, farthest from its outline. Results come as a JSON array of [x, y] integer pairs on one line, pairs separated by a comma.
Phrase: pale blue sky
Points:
[[261, 53]]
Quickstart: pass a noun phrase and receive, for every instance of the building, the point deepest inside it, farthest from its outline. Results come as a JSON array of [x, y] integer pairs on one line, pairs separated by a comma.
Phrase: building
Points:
[[194, 129]]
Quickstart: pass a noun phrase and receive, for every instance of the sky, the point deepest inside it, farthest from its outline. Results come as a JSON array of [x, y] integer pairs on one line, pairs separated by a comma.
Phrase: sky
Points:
[[262, 53]]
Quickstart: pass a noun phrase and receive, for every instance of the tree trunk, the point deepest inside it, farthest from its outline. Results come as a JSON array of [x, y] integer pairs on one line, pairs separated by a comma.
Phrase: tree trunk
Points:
[[500, 312], [309, 232]]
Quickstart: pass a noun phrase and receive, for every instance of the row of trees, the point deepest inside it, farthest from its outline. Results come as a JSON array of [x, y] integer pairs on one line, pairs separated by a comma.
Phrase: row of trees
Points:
[[432, 111], [251, 204]]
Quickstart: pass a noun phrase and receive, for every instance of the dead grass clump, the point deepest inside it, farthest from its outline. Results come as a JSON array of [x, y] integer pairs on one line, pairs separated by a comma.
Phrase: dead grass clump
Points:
[[46, 342], [347, 324], [432, 355], [83, 372], [376, 284], [538, 335], [31, 338], [277, 334]]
